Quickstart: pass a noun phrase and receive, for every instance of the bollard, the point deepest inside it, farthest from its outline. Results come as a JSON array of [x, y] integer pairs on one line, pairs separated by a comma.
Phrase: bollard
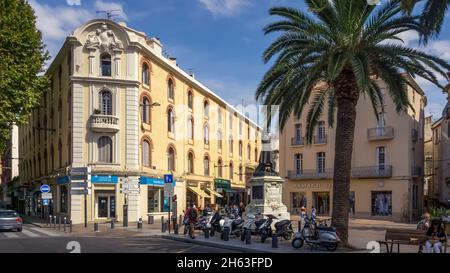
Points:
[[162, 224], [139, 224], [299, 226], [175, 229], [59, 225], [51, 220], [54, 221], [274, 241], [206, 231], [151, 220], [248, 237], [70, 226], [112, 223], [96, 227], [65, 223]]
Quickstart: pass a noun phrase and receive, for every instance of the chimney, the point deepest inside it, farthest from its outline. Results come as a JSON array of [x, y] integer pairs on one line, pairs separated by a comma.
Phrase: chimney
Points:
[[155, 43], [173, 60]]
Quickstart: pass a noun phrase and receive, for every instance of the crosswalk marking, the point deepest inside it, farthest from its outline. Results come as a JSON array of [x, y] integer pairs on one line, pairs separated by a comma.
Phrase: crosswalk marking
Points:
[[48, 233], [10, 235], [29, 233]]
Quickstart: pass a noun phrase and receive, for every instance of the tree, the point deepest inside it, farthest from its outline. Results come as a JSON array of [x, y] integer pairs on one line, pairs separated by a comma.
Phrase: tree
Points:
[[22, 56], [433, 15], [332, 57]]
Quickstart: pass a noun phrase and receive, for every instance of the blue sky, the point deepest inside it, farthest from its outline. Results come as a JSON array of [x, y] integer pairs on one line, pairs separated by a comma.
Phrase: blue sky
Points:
[[220, 40]]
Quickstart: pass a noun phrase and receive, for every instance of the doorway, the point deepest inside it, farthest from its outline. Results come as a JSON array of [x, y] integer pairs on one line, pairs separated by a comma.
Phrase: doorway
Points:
[[106, 205]]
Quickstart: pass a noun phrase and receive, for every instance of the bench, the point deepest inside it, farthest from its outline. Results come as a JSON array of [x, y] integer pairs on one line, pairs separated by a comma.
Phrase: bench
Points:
[[399, 236]]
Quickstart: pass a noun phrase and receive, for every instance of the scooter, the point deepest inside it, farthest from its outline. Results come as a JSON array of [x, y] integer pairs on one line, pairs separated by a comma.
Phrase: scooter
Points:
[[232, 226], [215, 224], [248, 224], [314, 235], [265, 229], [284, 229]]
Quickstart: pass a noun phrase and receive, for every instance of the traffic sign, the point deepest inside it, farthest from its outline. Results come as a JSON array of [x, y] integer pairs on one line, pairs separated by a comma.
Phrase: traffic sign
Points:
[[168, 178], [45, 202], [168, 189], [45, 188], [46, 195]]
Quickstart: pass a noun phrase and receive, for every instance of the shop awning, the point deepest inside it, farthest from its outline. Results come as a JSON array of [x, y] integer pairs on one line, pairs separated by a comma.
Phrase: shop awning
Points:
[[214, 193], [199, 192], [230, 190]]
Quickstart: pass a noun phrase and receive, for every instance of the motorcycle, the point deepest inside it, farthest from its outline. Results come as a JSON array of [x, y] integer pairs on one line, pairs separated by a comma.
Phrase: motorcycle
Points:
[[316, 235], [265, 229], [215, 223], [232, 226], [284, 229]]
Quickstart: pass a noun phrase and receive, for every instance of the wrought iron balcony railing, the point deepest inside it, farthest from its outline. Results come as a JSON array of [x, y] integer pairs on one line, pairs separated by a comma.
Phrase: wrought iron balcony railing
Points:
[[380, 133]]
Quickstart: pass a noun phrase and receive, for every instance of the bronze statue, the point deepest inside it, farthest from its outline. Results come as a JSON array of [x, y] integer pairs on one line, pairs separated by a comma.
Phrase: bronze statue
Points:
[[266, 166]]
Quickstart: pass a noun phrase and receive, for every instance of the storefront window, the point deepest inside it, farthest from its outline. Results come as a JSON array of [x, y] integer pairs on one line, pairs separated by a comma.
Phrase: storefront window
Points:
[[155, 197], [64, 199], [321, 202], [298, 200], [382, 203]]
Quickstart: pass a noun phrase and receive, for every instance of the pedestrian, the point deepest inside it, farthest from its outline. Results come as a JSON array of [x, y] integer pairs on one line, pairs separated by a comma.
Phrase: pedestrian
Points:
[[436, 237], [424, 225], [313, 212], [191, 216], [241, 209]]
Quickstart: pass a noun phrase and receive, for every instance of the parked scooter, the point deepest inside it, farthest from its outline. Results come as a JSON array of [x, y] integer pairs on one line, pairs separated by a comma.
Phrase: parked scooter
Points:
[[232, 226], [284, 229], [215, 223], [265, 229], [314, 235]]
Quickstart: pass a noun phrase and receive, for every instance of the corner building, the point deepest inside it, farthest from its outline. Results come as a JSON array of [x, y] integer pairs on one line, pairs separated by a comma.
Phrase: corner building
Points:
[[117, 106]]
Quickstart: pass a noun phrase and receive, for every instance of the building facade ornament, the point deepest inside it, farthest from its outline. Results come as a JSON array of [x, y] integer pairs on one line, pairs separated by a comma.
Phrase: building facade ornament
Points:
[[103, 39]]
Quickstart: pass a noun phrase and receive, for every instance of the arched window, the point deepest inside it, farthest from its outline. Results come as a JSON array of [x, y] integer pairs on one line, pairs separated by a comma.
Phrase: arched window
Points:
[[60, 158], [241, 175], [240, 149], [219, 140], [145, 74], [190, 128], [220, 168], [206, 165], [106, 102], [190, 100], [146, 153], [106, 64], [231, 171], [170, 89], [105, 151], [170, 121], [206, 134], [190, 163], [171, 159], [146, 108], [206, 109]]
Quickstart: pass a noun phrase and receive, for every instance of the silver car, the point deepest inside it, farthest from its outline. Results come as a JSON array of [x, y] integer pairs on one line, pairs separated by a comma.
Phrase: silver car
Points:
[[10, 220]]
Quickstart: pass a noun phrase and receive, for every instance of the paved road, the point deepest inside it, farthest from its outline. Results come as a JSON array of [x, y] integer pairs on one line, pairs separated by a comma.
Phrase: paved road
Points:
[[38, 240]]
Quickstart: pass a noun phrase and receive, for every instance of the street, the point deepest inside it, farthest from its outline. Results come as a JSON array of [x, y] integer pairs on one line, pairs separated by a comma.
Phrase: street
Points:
[[39, 240]]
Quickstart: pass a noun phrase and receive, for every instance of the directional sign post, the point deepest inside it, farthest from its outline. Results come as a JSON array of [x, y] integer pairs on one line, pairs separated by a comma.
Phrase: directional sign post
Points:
[[45, 188], [45, 202], [168, 190], [46, 195]]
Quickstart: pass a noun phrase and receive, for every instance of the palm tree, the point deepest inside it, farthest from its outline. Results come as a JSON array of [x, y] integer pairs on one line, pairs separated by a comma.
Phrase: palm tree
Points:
[[332, 57], [433, 15]]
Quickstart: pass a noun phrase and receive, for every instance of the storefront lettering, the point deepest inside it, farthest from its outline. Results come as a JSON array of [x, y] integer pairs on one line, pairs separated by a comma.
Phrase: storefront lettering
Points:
[[312, 185]]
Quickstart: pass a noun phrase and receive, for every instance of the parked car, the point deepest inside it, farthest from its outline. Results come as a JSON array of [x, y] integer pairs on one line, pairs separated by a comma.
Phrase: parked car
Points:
[[10, 220]]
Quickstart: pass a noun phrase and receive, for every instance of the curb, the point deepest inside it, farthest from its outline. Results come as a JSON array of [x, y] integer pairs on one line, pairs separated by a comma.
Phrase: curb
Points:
[[25, 221], [215, 245]]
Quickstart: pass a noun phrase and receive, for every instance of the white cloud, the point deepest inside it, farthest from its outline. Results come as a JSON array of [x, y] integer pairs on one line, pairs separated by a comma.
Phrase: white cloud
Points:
[[225, 8], [439, 48], [101, 5]]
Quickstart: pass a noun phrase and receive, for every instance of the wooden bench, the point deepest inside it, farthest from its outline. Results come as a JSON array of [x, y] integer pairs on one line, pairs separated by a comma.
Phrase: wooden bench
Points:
[[399, 236]]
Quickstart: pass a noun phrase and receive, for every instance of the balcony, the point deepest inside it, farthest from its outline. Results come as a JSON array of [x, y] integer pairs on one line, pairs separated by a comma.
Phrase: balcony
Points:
[[320, 139], [297, 141], [310, 174], [416, 171], [381, 133], [104, 123], [372, 172]]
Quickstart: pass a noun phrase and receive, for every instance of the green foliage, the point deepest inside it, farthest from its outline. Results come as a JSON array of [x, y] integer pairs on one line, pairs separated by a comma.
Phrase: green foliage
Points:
[[22, 56], [439, 212], [336, 37]]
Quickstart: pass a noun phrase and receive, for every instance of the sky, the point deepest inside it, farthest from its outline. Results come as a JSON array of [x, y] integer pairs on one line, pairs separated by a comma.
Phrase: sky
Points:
[[220, 41]]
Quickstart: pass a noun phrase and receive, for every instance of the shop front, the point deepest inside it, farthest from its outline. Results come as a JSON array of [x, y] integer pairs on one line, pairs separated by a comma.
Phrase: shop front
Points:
[[223, 187], [153, 189], [104, 188], [196, 194]]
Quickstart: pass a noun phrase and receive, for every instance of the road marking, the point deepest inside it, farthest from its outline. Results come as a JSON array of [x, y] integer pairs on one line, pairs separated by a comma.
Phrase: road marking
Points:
[[40, 230], [10, 235], [30, 234]]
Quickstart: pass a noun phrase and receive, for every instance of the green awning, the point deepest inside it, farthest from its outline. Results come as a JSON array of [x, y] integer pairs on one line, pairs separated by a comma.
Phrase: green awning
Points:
[[230, 190], [222, 183]]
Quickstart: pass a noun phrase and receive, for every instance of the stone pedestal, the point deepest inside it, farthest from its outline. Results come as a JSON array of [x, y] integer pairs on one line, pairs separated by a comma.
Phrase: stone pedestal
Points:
[[266, 197]]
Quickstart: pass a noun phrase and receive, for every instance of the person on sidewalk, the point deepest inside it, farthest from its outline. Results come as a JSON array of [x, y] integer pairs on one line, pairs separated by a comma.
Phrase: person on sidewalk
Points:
[[241, 209], [191, 215], [424, 225], [436, 237]]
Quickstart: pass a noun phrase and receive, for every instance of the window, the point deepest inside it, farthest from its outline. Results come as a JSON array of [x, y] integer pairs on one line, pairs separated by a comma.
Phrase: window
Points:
[[156, 199], [60, 158], [231, 171], [298, 132], [171, 121], [190, 163], [256, 154], [381, 158], [106, 102], [249, 152], [240, 149], [69, 105], [60, 112], [321, 130], [206, 134], [69, 149], [64, 193], [190, 128], [382, 203], [206, 165], [298, 200], [146, 108], [298, 164], [230, 121], [190, 100], [240, 128], [321, 162], [206, 109], [241, 175], [105, 154], [321, 201], [106, 65], [219, 115], [145, 74], [230, 140], [219, 140], [146, 153], [170, 89], [415, 198], [220, 168], [171, 159]]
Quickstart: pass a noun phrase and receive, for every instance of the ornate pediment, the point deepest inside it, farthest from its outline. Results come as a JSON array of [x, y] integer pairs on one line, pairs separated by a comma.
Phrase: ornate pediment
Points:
[[103, 39]]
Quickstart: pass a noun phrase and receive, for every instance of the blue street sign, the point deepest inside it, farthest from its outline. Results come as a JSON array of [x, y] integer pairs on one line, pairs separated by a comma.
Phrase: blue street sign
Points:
[[168, 178], [45, 202], [45, 188]]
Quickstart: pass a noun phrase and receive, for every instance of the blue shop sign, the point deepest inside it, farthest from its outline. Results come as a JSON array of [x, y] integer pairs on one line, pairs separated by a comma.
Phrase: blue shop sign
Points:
[[105, 179], [151, 181], [63, 180]]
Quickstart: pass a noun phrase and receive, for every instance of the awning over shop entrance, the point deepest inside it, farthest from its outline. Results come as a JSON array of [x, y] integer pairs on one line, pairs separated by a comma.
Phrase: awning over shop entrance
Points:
[[214, 193], [199, 192], [222, 183], [230, 190]]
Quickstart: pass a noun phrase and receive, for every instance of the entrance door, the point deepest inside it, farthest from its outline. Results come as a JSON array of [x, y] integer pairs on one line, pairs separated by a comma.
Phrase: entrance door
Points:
[[103, 207]]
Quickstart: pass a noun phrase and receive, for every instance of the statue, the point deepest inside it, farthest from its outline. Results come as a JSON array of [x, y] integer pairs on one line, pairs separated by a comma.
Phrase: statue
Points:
[[266, 165]]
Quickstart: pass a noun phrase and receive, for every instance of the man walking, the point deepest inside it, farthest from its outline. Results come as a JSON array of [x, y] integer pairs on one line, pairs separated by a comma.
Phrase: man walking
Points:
[[191, 219]]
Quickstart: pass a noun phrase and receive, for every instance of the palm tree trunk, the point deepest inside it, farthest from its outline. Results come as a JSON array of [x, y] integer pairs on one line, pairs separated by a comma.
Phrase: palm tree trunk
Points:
[[347, 96]]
